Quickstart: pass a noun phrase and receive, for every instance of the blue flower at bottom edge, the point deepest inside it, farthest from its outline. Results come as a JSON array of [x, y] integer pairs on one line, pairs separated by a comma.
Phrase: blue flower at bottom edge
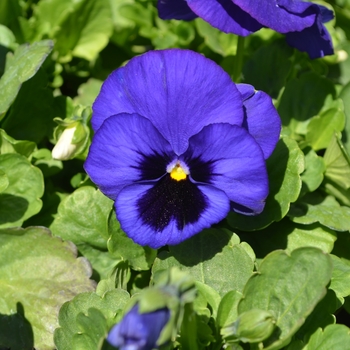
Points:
[[301, 21], [178, 145], [139, 331]]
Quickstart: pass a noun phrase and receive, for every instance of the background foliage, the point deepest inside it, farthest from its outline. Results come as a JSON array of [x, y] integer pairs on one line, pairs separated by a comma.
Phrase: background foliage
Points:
[[61, 243]]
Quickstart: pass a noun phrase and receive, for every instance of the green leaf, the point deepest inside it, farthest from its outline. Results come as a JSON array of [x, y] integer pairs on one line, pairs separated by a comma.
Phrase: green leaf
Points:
[[31, 115], [9, 11], [51, 199], [234, 347], [93, 327], [21, 66], [337, 163], [4, 181], [88, 92], [340, 282], [83, 217], [210, 257], [139, 13], [189, 329], [289, 286], [20, 200], [313, 175], [42, 158], [101, 260], [321, 128], [85, 320], [122, 247], [7, 42], [81, 28], [302, 99], [184, 31], [168, 34], [10, 145], [261, 71], [27, 254], [284, 168], [345, 96], [206, 296], [50, 15], [289, 236], [335, 337], [227, 312], [221, 43], [326, 211], [7, 39], [119, 20], [311, 236], [64, 108], [321, 316], [339, 192], [118, 278], [93, 23]]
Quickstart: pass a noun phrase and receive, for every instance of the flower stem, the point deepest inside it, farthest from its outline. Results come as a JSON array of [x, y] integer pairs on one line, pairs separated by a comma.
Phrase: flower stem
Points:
[[238, 61]]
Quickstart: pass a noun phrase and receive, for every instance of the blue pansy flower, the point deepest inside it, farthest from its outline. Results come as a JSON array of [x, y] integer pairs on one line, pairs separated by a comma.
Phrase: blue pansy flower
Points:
[[178, 145], [301, 21], [139, 331]]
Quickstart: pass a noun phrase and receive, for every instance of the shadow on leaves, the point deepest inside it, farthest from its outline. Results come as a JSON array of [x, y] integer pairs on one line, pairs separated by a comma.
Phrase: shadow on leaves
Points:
[[201, 247], [12, 207], [16, 333]]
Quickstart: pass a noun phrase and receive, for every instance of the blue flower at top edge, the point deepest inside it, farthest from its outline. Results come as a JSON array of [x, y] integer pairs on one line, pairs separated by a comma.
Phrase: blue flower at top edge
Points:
[[301, 21], [177, 145]]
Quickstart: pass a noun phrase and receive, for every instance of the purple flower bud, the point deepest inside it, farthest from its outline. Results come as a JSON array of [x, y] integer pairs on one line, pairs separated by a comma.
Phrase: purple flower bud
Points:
[[138, 331]]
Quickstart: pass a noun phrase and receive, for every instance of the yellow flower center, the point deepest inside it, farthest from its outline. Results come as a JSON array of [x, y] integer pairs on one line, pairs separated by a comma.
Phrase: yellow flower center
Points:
[[177, 173]]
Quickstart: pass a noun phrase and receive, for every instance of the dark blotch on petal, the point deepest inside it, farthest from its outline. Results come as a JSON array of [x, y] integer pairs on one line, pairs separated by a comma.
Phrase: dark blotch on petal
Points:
[[245, 119], [244, 19], [200, 171], [153, 166], [170, 200], [175, 9]]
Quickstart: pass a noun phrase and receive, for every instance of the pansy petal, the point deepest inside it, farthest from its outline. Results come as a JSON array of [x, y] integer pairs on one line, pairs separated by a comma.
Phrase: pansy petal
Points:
[[246, 91], [139, 330], [225, 15], [179, 91], [114, 336], [125, 149], [281, 15], [161, 214], [261, 118], [234, 161], [175, 9], [314, 40], [325, 13]]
